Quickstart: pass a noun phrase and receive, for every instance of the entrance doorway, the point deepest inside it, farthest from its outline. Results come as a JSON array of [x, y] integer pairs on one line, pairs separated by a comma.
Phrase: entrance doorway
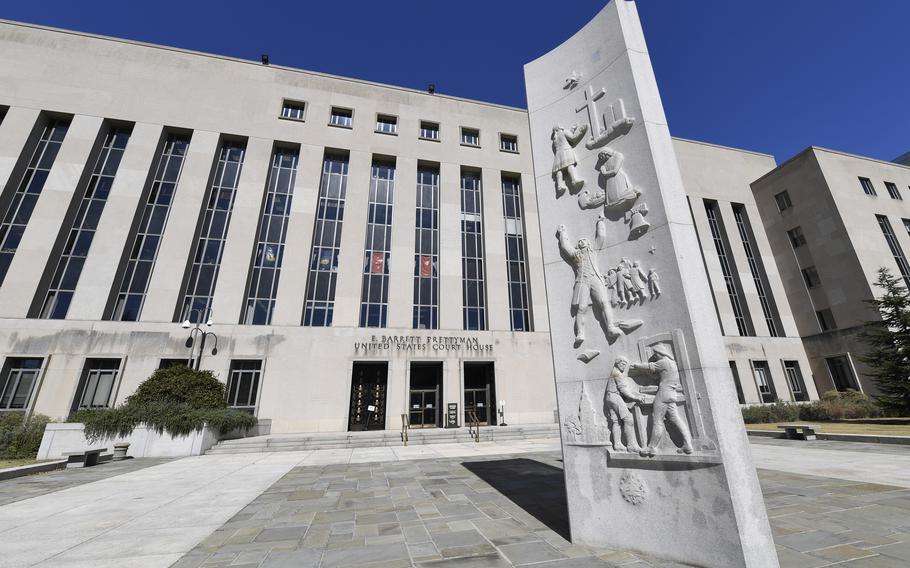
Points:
[[368, 388], [425, 396], [480, 392]]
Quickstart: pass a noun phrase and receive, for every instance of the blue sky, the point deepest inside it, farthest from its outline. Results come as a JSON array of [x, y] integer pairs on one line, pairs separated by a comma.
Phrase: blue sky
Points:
[[768, 75]]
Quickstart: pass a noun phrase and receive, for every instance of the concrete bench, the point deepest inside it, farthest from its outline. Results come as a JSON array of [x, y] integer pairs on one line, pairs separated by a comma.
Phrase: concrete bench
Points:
[[85, 458], [800, 431]]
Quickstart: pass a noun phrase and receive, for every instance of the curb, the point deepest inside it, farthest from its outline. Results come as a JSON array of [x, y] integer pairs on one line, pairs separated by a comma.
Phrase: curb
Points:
[[23, 470], [867, 438]]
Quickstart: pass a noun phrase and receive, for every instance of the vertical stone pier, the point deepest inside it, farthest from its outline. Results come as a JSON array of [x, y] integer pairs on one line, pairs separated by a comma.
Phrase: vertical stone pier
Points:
[[656, 456]]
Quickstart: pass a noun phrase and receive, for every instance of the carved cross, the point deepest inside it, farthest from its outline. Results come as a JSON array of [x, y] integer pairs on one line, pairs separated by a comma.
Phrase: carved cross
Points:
[[590, 105]]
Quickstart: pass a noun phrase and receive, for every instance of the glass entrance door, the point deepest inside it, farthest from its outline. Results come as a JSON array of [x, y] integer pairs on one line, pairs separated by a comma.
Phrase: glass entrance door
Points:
[[425, 395], [480, 393], [368, 390]]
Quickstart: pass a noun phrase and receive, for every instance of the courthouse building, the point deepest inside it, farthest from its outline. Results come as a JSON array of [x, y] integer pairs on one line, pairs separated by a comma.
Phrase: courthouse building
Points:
[[357, 252]]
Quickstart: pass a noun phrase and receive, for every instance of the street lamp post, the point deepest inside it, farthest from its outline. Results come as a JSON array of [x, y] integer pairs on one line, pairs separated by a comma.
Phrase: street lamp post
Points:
[[196, 329]]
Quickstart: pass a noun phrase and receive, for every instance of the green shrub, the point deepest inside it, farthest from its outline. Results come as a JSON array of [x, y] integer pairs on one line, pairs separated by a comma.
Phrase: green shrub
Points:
[[777, 412], [835, 405], [177, 400], [20, 437]]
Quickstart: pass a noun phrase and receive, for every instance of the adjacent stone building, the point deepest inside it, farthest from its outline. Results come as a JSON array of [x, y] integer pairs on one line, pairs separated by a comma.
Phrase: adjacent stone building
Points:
[[833, 219], [360, 253]]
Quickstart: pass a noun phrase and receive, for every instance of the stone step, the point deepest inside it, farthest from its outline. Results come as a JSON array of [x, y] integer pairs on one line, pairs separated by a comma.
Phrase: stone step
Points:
[[379, 438]]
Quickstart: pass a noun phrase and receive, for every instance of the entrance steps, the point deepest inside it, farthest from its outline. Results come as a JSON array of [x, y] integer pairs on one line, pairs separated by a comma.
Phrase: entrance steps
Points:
[[380, 438]]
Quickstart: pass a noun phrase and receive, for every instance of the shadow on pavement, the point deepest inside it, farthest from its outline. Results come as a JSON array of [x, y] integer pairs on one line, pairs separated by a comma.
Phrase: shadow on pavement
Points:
[[536, 487]]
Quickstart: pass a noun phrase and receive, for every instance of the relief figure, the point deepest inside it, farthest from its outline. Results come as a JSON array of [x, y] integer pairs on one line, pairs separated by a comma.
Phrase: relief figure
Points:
[[669, 395], [564, 159], [622, 395], [589, 289]]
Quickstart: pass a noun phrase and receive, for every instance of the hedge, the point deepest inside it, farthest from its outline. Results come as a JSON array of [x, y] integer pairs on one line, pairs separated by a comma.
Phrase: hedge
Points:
[[20, 437], [833, 405], [177, 400]]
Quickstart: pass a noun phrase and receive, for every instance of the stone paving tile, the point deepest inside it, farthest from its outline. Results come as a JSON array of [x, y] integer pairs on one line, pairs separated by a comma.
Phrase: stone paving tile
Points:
[[508, 511]]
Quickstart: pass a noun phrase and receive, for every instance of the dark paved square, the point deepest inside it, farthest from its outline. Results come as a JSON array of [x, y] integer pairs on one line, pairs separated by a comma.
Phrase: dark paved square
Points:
[[507, 511]]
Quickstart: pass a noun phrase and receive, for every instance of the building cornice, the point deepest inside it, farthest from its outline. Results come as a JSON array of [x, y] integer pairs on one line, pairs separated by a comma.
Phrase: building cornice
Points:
[[256, 64]]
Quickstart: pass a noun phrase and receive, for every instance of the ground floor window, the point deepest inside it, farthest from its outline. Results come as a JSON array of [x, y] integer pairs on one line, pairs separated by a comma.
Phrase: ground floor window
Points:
[[425, 395], [763, 381], [480, 393], [795, 380], [96, 385], [739, 387], [20, 375], [368, 395], [243, 384], [841, 373]]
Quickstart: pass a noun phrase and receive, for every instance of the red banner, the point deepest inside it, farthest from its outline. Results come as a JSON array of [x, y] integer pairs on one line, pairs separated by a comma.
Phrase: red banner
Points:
[[426, 266], [378, 264]]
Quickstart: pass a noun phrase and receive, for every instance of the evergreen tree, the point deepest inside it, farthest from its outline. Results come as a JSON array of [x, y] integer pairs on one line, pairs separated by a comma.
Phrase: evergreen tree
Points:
[[889, 344]]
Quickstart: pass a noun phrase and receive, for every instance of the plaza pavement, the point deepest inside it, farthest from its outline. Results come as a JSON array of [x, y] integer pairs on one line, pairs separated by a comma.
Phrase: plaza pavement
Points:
[[477, 504]]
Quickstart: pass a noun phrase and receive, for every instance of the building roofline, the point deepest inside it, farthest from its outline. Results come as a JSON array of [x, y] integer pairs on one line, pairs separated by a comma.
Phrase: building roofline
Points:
[[723, 147], [256, 63], [812, 149]]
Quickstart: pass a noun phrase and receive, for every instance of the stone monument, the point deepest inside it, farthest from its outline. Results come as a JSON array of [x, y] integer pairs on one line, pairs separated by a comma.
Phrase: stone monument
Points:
[[656, 456]]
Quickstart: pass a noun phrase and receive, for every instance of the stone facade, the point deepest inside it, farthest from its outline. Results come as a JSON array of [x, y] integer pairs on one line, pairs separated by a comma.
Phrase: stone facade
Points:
[[828, 235]]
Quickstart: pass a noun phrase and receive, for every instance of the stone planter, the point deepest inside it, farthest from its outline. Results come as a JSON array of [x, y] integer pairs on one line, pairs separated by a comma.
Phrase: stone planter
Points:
[[120, 450], [144, 442]]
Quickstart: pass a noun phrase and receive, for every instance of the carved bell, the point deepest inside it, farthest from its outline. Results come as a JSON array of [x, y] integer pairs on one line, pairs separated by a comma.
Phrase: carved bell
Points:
[[638, 226], [636, 219]]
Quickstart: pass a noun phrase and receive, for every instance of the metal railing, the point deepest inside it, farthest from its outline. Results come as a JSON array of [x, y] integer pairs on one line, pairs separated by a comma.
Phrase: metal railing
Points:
[[474, 424], [405, 424]]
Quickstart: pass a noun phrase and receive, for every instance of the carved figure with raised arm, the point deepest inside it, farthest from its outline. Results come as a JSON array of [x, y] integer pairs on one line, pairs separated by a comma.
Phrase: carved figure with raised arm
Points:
[[669, 395], [564, 159], [589, 289], [621, 394]]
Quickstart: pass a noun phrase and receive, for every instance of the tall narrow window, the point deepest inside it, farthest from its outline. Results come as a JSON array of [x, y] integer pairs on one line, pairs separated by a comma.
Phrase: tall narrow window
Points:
[[763, 381], [262, 285], [199, 289], [895, 247], [20, 375], [96, 385], [320, 287], [153, 216], [734, 291], [374, 293], [795, 380], [426, 250], [517, 272], [68, 266], [739, 387], [893, 191], [759, 277], [474, 294], [243, 384], [826, 319], [20, 208]]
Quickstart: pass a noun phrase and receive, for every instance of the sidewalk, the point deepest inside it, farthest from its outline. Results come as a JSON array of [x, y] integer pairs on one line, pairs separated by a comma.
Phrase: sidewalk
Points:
[[153, 516]]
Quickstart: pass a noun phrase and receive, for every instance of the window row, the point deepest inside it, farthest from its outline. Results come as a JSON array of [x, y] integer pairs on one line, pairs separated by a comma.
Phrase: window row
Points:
[[139, 256], [388, 124], [99, 381], [764, 384], [869, 189]]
